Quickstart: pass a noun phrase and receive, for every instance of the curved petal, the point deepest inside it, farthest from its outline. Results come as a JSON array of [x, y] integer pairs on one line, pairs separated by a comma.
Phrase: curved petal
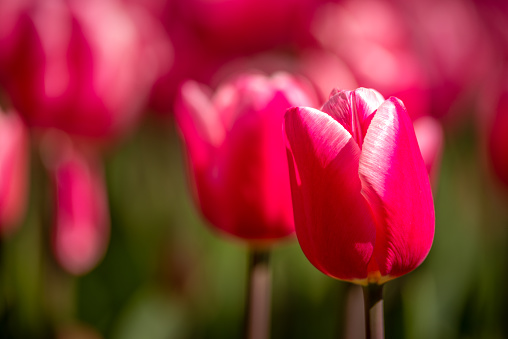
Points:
[[199, 122], [396, 184], [353, 110], [333, 221]]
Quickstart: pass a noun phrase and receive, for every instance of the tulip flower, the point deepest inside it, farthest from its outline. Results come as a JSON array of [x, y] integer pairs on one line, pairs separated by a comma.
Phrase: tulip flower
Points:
[[13, 171], [234, 149], [361, 194], [238, 168], [81, 229]]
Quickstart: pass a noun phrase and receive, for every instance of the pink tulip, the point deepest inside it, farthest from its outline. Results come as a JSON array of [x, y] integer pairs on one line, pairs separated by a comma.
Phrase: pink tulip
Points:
[[85, 67], [13, 171], [361, 194], [81, 230], [429, 134], [236, 152]]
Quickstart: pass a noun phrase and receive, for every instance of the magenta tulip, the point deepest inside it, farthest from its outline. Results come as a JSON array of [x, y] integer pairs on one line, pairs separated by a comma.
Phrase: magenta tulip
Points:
[[13, 171], [81, 229], [362, 200], [236, 152]]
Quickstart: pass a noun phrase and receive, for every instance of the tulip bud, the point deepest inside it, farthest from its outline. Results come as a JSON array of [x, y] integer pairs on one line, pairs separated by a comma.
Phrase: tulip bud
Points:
[[81, 229], [362, 200], [236, 153], [13, 171]]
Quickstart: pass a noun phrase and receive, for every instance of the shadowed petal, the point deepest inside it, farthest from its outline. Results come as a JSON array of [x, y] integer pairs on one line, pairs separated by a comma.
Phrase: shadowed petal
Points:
[[396, 184], [333, 221]]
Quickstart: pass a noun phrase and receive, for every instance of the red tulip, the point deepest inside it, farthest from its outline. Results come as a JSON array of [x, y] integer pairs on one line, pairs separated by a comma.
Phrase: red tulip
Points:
[[13, 171], [236, 152], [84, 67], [81, 230], [361, 194]]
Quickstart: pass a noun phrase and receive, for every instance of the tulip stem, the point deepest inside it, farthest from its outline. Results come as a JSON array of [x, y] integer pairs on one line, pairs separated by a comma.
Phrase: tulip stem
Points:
[[374, 318], [257, 306]]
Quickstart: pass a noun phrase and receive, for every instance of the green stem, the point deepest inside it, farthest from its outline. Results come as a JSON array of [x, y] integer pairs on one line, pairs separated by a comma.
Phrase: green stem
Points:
[[257, 306], [374, 318]]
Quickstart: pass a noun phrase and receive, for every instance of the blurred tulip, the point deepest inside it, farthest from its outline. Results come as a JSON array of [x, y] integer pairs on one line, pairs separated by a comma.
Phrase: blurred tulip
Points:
[[361, 195], [236, 153], [84, 67], [81, 230], [13, 171], [429, 134], [372, 38], [455, 50], [209, 34], [250, 25], [322, 68], [498, 139]]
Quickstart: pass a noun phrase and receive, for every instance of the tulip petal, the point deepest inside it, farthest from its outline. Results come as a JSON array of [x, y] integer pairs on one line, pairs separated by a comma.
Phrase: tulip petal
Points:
[[333, 221], [199, 121], [396, 184], [353, 110]]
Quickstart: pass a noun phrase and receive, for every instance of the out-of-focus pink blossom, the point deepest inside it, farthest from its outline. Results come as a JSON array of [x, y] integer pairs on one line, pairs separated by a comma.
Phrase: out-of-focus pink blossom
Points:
[[84, 67], [372, 37], [429, 134], [322, 68], [361, 194], [455, 50], [249, 25], [13, 171], [81, 229], [325, 70], [236, 154], [209, 34]]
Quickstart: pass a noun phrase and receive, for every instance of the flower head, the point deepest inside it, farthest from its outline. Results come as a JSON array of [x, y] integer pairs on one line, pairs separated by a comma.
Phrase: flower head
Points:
[[236, 152], [361, 194]]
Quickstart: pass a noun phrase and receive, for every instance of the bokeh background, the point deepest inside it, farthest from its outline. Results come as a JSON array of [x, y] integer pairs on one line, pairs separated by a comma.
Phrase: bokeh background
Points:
[[107, 74]]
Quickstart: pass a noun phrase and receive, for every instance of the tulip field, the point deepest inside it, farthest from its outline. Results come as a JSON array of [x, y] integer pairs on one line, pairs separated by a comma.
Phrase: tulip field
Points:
[[253, 169]]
